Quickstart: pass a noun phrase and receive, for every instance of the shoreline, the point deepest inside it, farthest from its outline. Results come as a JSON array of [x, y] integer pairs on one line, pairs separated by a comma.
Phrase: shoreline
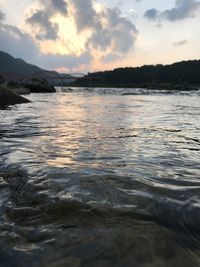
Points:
[[9, 98], [168, 87]]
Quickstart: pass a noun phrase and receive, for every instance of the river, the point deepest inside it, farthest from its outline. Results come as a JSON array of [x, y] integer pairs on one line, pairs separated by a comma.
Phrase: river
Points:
[[101, 177]]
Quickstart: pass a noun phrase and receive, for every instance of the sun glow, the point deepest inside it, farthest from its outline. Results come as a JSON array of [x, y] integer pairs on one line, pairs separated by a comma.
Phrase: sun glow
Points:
[[69, 41], [59, 34]]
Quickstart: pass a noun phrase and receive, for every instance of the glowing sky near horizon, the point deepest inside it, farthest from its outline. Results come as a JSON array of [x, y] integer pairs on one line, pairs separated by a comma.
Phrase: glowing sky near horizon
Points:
[[91, 35]]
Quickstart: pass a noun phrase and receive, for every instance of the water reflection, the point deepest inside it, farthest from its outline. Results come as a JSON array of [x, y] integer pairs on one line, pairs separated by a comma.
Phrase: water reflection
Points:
[[109, 180]]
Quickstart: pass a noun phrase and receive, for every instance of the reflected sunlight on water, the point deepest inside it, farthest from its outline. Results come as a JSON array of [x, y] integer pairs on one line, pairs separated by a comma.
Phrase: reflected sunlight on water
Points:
[[101, 178]]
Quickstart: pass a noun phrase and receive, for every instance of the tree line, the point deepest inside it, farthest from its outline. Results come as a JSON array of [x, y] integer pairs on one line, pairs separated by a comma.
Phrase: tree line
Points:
[[185, 74]]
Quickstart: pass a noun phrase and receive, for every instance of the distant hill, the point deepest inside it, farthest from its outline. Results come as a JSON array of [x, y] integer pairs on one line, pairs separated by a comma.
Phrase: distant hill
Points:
[[181, 75], [17, 69], [13, 67]]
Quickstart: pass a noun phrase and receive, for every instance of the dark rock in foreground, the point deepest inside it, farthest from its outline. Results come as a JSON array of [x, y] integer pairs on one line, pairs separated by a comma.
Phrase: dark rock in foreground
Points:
[[7, 97], [40, 88], [21, 91], [33, 86], [1, 79]]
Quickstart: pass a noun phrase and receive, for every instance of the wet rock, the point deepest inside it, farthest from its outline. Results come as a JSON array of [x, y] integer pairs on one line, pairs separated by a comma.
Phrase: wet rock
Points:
[[8, 97], [40, 87]]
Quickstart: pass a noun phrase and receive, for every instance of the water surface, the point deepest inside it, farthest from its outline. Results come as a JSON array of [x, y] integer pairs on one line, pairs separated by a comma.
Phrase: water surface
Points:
[[102, 177]]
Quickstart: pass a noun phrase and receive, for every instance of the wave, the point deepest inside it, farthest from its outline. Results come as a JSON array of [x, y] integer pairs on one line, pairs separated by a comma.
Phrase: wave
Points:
[[34, 201], [64, 227], [126, 91]]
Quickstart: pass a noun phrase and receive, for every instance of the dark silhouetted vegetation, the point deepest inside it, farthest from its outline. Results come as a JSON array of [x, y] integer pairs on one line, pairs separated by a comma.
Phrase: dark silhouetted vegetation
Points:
[[182, 75]]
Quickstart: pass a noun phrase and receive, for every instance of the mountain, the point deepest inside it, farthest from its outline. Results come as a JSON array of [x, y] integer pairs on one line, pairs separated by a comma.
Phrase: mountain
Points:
[[11, 67], [17, 69]]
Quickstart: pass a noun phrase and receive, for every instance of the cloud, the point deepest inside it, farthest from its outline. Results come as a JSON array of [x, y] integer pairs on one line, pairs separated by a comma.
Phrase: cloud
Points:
[[41, 18], [85, 15], [110, 58], [109, 27], [16, 42], [151, 14], [70, 34], [124, 31], [22, 45], [69, 62], [110, 30], [60, 6], [180, 43], [46, 29], [183, 9], [88, 27], [2, 16]]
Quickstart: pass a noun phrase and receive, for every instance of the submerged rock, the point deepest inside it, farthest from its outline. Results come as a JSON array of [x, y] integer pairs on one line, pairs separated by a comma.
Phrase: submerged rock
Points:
[[8, 97]]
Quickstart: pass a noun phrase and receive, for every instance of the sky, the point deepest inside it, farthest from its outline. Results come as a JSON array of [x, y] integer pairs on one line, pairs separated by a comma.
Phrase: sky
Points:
[[94, 35]]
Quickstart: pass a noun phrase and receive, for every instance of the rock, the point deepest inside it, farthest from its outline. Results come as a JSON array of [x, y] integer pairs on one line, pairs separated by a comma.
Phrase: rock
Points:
[[40, 87], [33, 86], [1, 79], [8, 97], [21, 90], [17, 88]]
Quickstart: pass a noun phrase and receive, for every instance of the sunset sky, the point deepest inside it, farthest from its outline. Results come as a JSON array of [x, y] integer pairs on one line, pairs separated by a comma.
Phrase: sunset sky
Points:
[[92, 35]]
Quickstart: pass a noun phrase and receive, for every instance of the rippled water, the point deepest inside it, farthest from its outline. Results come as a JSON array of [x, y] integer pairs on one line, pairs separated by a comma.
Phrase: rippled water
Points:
[[103, 177]]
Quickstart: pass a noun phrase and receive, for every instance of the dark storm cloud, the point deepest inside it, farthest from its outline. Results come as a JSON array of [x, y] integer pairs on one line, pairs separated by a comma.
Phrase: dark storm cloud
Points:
[[183, 9]]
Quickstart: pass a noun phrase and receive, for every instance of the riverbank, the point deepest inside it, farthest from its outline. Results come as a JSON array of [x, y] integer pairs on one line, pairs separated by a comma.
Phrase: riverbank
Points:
[[8, 97], [11, 92], [150, 86]]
